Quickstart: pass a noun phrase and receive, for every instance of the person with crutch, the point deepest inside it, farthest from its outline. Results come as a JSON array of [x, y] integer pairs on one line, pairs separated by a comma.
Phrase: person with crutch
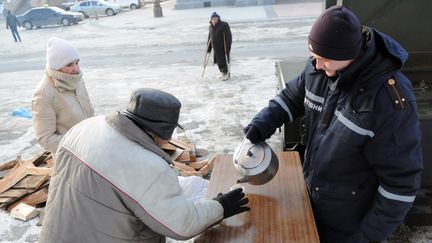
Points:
[[220, 40]]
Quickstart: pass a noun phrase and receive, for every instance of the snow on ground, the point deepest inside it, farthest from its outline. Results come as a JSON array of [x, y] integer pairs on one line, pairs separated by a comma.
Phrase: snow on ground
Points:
[[134, 50]]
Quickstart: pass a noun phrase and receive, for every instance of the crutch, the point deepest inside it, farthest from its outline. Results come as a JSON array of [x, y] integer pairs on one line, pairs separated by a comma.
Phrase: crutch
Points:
[[226, 57], [206, 57]]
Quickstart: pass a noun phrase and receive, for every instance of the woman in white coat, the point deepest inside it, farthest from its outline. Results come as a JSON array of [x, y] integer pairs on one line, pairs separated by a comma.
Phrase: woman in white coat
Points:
[[61, 100]]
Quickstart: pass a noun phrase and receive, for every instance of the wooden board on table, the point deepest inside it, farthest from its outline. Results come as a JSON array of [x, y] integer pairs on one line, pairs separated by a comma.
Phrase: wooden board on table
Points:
[[280, 209]]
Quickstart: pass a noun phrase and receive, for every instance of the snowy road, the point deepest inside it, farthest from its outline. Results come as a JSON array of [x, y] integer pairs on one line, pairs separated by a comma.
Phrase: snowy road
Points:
[[134, 50]]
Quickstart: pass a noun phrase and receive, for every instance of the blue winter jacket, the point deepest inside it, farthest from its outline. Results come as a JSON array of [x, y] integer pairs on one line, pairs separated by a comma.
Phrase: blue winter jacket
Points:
[[363, 159]]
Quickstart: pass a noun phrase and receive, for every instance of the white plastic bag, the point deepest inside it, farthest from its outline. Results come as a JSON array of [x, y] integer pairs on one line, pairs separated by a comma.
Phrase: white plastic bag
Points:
[[194, 187]]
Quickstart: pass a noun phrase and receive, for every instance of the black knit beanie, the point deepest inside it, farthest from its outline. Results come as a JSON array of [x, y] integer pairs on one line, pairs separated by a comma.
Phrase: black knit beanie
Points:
[[336, 35], [214, 14]]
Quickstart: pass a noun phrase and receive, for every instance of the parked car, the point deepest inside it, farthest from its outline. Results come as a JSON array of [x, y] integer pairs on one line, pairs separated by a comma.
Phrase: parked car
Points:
[[44, 16], [95, 7], [67, 4], [132, 4]]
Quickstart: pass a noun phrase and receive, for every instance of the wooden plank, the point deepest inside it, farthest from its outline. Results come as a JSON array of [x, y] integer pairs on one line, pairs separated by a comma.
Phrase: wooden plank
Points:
[[205, 170], [181, 144], [176, 153], [280, 209], [169, 147], [192, 157], [15, 193], [3, 173], [6, 200], [38, 160], [38, 197], [8, 165], [186, 141], [31, 181], [13, 177], [183, 166], [189, 173], [39, 171], [46, 183], [199, 164], [184, 156], [50, 162], [24, 212]]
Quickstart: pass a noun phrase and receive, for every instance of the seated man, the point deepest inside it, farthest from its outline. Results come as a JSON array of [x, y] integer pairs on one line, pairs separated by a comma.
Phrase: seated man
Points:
[[112, 182]]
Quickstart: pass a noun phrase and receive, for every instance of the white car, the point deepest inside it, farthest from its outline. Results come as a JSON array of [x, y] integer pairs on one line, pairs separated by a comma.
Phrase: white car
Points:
[[132, 4], [96, 7]]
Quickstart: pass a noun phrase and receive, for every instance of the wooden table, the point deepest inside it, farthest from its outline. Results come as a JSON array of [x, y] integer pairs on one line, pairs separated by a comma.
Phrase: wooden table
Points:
[[280, 209]]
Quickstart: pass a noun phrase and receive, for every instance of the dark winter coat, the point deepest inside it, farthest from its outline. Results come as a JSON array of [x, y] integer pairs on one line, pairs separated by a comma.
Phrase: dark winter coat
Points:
[[217, 34], [363, 159], [11, 22]]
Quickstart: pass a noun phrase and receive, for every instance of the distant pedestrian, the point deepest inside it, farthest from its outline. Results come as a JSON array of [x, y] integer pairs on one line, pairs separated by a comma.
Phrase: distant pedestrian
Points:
[[220, 39], [12, 23]]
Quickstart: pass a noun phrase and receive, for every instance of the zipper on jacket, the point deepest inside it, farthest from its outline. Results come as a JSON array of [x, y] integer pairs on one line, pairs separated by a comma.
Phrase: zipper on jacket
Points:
[[79, 102]]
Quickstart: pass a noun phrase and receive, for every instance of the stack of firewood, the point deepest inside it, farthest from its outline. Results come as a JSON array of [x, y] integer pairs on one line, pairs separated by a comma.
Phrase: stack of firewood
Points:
[[185, 158], [26, 181]]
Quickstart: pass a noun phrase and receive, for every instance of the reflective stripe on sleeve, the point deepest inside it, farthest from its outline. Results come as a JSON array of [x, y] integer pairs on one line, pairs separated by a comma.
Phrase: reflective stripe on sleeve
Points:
[[353, 126], [393, 196], [284, 106]]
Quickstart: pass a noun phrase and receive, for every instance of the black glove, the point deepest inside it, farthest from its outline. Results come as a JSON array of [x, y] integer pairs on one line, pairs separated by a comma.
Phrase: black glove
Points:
[[252, 133], [233, 202]]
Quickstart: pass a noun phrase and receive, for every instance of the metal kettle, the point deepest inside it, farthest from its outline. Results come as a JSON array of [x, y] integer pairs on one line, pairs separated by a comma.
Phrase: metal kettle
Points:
[[257, 163]]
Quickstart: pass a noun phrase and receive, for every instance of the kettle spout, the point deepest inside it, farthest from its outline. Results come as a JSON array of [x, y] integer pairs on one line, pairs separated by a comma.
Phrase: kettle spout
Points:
[[243, 179]]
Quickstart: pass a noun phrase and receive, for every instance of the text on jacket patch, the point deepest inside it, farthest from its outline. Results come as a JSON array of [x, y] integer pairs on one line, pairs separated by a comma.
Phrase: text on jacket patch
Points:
[[311, 105]]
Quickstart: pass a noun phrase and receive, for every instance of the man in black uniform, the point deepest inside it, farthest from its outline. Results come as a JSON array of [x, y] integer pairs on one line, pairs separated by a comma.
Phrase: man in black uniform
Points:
[[12, 23], [220, 40], [363, 160]]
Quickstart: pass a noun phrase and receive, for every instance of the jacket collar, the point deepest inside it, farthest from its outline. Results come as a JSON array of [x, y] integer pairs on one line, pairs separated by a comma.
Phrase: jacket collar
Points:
[[131, 131]]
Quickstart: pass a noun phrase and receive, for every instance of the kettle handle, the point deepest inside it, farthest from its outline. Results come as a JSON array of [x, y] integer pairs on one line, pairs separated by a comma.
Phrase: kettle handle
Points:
[[239, 149]]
